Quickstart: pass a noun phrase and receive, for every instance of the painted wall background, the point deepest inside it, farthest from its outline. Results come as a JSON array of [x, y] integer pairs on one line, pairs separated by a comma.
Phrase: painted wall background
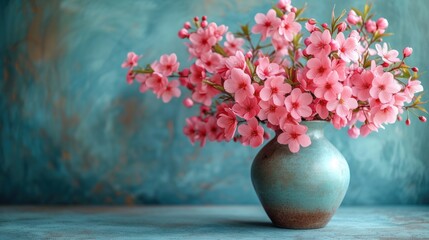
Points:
[[72, 130]]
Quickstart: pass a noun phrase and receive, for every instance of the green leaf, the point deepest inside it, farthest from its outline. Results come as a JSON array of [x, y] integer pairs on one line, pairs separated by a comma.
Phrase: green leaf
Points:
[[279, 12], [421, 109], [357, 11], [245, 29], [215, 85], [300, 10], [217, 48]]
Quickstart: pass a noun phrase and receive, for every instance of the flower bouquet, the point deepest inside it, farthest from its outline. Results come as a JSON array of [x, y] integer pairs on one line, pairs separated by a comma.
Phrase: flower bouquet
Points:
[[280, 73], [291, 78]]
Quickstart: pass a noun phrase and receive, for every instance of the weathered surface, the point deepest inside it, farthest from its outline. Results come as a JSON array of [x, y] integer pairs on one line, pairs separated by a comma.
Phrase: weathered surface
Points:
[[72, 130], [226, 222]]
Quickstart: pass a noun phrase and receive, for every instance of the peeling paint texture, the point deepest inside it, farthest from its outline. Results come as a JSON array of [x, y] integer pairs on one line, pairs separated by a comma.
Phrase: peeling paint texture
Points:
[[72, 130]]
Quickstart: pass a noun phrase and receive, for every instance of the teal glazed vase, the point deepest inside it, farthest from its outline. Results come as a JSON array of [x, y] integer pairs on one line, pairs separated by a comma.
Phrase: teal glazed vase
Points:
[[301, 190]]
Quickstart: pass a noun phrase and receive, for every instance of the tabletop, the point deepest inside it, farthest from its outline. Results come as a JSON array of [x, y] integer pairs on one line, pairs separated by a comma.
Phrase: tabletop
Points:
[[203, 222]]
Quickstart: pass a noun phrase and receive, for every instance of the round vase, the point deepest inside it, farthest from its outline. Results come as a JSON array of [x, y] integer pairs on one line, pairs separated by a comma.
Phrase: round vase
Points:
[[301, 190]]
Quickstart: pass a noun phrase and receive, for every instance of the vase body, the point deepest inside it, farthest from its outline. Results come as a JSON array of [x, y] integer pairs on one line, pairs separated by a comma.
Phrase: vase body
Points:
[[301, 190]]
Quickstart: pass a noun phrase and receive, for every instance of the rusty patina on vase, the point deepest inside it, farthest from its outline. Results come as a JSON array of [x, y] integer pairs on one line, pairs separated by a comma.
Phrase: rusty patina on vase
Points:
[[301, 190]]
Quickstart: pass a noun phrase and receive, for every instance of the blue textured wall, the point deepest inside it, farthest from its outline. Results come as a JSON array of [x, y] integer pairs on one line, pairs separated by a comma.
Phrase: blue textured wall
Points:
[[72, 131]]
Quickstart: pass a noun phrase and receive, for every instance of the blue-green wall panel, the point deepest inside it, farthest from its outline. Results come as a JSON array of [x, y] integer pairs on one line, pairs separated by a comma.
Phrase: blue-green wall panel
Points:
[[72, 130]]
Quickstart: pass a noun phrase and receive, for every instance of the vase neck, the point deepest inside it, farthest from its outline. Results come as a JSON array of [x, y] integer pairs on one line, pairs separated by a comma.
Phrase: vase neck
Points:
[[315, 128]]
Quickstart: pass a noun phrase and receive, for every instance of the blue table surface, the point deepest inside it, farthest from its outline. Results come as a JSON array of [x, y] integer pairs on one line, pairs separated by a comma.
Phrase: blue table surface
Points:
[[203, 222]]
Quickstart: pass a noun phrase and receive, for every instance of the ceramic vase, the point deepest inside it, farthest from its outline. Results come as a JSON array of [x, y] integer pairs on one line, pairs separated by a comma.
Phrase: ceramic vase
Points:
[[301, 190]]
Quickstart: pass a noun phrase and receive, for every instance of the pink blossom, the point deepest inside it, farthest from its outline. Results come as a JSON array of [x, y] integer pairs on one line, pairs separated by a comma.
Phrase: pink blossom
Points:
[[284, 5], [294, 136], [328, 88], [130, 76], [252, 134], [236, 61], [266, 24], [239, 84], [354, 132], [275, 88], [319, 68], [228, 122], [347, 48], [157, 83], [195, 130], [383, 87], [247, 109], [209, 61], [197, 75], [338, 122], [371, 26], [366, 129], [141, 78], [271, 111], [385, 113], [131, 61], [217, 31], [387, 56], [343, 104], [340, 67], [362, 84], [204, 93], [214, 132], [413, 87], [202, 40], [266, 69], [320, 43], [167, 65], [297, 104], [306, 84], [288, 27], [171, 90], [321, 109], [233, 44]]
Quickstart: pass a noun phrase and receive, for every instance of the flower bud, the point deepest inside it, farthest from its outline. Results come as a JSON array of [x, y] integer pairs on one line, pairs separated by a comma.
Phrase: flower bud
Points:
[[307, 41], [305, 53], [294, 9], [196, 19], [204, 24], [399, 118], [204, 18], [183, 33], [204, 109], [407, 52], [354, 132], [385, 64], [249, 55], [184, 73], [371, 26], [266, 136], [325, 25], [312, 21], [408, 122], [382, 23], [415, 69], [342, 27], [422, 119], [353, 18], [187, 102], [281, 4], [187, 25]]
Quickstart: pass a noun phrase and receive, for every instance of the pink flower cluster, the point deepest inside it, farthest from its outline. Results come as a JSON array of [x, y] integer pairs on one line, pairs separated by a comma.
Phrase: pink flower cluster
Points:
[[334, 74]]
